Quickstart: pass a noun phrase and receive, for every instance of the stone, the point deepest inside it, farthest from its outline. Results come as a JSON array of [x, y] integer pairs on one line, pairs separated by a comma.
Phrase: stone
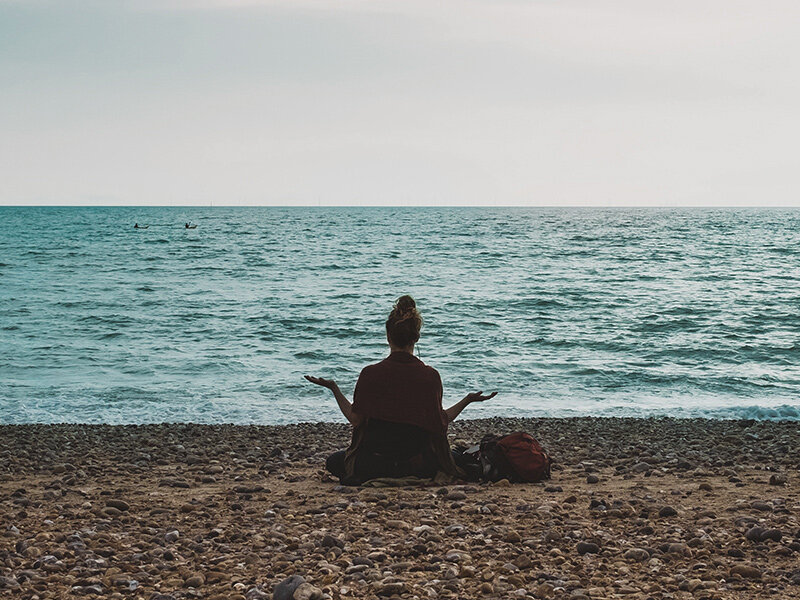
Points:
[[637, 554], [256, 594], [306, 591], [391, 588], [512, 537], [363, 560], [746, 571], [587, 548], [545, 590], [194, 581], [248, 489], [778, 479], [456, 495], [329, 541], [9, 583], [285, 589], [172, 536], [667, 511], [592, 479], [120, 505], [754, 534], [678, 548]]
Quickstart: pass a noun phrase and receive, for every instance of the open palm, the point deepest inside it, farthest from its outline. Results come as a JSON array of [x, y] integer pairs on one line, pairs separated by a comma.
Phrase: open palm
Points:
[[326, 383], [479, 396]]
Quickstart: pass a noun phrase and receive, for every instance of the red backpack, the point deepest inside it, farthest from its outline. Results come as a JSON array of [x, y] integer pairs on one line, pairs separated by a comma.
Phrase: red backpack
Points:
[[516, 457]]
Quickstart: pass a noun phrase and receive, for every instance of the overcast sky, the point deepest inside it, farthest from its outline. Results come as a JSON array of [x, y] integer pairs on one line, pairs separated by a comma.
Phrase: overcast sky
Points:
[[579, 102]]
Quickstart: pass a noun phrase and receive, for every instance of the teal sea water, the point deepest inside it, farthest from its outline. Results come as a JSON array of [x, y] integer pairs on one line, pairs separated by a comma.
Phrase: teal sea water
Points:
[[618, 312]]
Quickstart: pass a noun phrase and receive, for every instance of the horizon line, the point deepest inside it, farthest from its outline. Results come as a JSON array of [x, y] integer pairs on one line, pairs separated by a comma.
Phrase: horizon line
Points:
[[581, 206]]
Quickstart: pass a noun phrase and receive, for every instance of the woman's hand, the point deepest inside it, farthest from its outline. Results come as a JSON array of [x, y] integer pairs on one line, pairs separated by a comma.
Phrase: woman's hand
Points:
[[326, 383], [478, 397], [456, 409], [344, 404]]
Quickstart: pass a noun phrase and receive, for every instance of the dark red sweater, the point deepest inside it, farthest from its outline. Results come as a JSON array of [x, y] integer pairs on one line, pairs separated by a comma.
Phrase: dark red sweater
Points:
[[401, 389]]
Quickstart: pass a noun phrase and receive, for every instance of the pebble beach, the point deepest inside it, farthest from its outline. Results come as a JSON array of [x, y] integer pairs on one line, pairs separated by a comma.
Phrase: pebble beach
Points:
[[636, 508]]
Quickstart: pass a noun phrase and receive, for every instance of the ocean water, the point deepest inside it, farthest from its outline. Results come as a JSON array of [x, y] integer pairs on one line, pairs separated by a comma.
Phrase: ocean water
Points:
[[615, 312]]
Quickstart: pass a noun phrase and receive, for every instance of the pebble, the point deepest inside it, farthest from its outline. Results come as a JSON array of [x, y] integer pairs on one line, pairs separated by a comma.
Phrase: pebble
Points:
[[285, 589], [171, 536], [667, 511], [330, 541], [306, 591], [637, 554], [120, 505], [512, 537], [587, 548], [391, 589], [746, 571], [771, 534]]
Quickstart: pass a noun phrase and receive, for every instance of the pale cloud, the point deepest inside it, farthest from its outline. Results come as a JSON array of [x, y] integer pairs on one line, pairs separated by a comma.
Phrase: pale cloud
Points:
[[363, 101]]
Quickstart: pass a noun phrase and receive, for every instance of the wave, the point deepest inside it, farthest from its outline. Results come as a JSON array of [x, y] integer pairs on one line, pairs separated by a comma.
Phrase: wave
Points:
[[784, 412]]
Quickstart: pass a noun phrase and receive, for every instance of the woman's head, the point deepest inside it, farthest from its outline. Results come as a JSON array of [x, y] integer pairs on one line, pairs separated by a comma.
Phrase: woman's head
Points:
[[404, 323]]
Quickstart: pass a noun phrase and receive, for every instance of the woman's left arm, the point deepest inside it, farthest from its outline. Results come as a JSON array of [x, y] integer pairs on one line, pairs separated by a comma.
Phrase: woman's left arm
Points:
[[456, 409]]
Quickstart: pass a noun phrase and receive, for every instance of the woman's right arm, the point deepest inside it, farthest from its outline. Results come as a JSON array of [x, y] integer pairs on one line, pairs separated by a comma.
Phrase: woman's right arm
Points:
[[344, 404]]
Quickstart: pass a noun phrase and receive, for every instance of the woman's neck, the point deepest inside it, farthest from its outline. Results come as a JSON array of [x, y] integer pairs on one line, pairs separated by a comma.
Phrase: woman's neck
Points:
[[407, 349]]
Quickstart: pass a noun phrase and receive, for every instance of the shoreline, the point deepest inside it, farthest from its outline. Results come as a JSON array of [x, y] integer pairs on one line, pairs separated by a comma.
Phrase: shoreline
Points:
[[656, 507]]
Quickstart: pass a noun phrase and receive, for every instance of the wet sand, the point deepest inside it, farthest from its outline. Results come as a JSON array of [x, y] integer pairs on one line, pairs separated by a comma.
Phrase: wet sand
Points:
[[655, 508]]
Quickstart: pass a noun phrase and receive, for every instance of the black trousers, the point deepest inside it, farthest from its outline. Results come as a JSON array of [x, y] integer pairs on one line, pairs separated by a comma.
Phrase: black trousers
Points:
[[369, 466]]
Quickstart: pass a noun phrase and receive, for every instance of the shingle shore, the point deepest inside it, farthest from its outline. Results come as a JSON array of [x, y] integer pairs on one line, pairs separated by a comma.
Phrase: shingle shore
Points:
[[636, 508]]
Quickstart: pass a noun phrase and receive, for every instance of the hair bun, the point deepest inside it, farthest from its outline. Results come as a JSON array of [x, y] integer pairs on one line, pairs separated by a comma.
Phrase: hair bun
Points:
[[405, 304], [404, 322]]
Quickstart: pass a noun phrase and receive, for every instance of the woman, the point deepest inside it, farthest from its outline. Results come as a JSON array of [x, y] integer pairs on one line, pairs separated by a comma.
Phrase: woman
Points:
[[399, 425]]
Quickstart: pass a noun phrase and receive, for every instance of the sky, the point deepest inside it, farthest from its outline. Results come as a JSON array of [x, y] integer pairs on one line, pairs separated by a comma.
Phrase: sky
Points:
[[400, 102]]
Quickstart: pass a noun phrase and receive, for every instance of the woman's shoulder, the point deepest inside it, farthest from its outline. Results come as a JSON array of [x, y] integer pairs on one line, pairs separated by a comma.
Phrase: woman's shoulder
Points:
[[430, 372], [390, 364], [430, 369]]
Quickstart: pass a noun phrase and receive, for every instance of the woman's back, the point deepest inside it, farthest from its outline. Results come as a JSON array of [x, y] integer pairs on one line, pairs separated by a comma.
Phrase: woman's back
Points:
[[401, 389]]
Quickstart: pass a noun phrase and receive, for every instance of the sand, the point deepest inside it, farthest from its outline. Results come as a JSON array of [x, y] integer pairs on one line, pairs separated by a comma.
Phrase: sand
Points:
[[656, 508]]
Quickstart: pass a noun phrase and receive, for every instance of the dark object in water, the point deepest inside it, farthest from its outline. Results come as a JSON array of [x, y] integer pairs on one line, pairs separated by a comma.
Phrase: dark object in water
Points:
[[188, 226]]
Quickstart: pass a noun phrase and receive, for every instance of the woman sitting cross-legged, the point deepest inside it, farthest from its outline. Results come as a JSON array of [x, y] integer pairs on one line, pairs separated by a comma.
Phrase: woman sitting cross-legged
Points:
[[399, 425]]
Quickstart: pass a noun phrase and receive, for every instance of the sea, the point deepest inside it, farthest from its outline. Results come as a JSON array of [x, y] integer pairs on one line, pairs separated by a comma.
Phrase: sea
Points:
[[562, 311]]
